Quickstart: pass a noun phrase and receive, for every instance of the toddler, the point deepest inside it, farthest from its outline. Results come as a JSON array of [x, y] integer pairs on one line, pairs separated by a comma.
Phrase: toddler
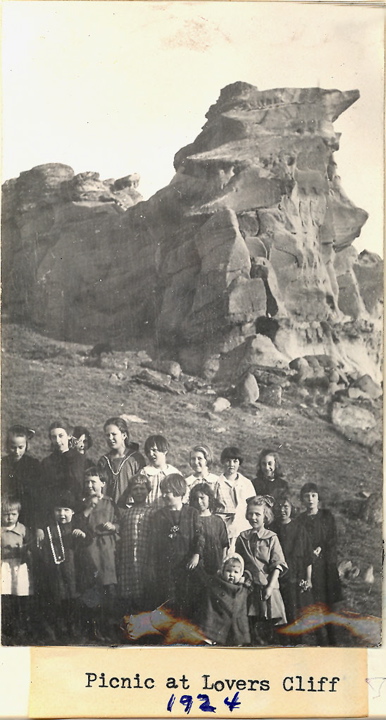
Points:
[[215, 532], [16, 581], [264, 558], [232, 493]]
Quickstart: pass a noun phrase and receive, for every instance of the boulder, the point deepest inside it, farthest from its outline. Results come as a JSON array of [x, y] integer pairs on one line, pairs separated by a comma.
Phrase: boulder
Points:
[[270, 395], [247, 390], [169, 367], [221, 404], [356, 422], [368, 386]]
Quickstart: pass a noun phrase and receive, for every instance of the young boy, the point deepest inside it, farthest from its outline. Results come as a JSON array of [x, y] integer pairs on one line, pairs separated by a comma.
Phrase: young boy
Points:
[[232, 493], [134, 548], [16, 585]]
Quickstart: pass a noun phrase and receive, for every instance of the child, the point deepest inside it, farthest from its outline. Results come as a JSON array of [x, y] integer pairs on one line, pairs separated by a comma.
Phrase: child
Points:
[[16, 585], [101, 523], [82, 441], [263, 556], [222, 615], [63, 470], [296, 584], [122, 462], [215, 531], [200, 460], [321, 529], [20, 474], [134, 549], [177, 543], [232, 493], [156, 449], [269, 479], [60, 559]]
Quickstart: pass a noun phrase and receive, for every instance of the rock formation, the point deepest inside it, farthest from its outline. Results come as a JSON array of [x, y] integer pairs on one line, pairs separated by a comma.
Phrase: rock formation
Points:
[[249, 246]]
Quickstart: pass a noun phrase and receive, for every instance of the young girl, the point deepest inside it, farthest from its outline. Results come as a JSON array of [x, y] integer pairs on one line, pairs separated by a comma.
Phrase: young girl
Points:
[[134, 548], [63, 470], [122, 461], [269, 479], [156, 449], [263, 556], [16, 585], [101, 524], [82, 441], [321, 528], [60, 557], [176, 542], [232, 493], [200, 461], [20, 474], [296, 584], [215, 532]]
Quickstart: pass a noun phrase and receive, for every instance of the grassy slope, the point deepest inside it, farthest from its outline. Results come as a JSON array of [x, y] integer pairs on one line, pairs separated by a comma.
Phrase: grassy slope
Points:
[[37, 391]]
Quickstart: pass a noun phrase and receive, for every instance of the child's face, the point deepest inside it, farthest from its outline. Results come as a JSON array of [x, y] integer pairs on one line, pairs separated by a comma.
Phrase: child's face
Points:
[[63, 515], [81, 444], [171, 501], [9, 516], [231, 466], [202, 501], [139, 493], [93, 485], [310, 501], [268, 465], [17, 445], [232, 572], [285, 511], [198, 462], [115, 438], [92, 502], [156, 457], [59, 439], [256, 516]]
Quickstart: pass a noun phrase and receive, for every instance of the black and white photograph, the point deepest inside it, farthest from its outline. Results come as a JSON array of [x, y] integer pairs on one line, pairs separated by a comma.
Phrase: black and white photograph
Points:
[[192, 314]]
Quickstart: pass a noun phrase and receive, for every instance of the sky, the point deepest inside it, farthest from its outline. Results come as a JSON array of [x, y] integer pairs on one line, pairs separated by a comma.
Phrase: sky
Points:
[[120, 87]]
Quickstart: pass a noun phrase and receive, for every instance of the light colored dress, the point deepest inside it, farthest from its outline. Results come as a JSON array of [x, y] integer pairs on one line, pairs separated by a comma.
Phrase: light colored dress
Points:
[[192, 480], [262, 554], [15, 576], [155, 475], [232, 496]]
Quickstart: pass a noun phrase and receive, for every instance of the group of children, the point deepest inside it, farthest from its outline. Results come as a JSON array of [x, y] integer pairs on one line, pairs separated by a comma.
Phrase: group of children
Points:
[[88, 547]]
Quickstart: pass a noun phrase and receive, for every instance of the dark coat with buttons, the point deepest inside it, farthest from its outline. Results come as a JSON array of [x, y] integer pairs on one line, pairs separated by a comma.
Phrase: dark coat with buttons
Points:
[[222, 615]]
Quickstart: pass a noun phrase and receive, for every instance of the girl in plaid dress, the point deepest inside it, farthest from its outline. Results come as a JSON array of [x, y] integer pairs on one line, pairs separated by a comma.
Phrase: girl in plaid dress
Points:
[[133, 558]]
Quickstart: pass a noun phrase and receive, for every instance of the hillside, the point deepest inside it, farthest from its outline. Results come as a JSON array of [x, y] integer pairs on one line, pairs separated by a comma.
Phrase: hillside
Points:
[[44, 379]]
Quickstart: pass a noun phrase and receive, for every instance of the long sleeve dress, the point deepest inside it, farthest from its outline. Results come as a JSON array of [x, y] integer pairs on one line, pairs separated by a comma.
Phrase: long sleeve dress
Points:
[[175, 538], [60, 472], [321, 529], [232, 499], [100, 551], [134, 554], [21, 479], [262, 554], [297, 548], [117, 471]]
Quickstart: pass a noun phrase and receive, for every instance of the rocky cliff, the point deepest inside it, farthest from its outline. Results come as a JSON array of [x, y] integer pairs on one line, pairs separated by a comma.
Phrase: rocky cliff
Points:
[[250, 245]]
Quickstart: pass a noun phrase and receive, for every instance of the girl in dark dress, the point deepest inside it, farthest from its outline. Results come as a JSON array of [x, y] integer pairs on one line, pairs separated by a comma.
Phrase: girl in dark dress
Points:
[[320, 526], [177, 543], [269, 479], [63, 470], [296, 584], [20, 474], [215, 531]]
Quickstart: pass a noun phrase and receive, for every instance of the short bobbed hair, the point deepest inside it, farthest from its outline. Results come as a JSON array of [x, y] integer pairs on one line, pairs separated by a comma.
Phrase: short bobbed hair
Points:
[[158, 441], [259, 500], [309, 487], [202, 488], [10, 502], [231, 453], [175, 484]]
